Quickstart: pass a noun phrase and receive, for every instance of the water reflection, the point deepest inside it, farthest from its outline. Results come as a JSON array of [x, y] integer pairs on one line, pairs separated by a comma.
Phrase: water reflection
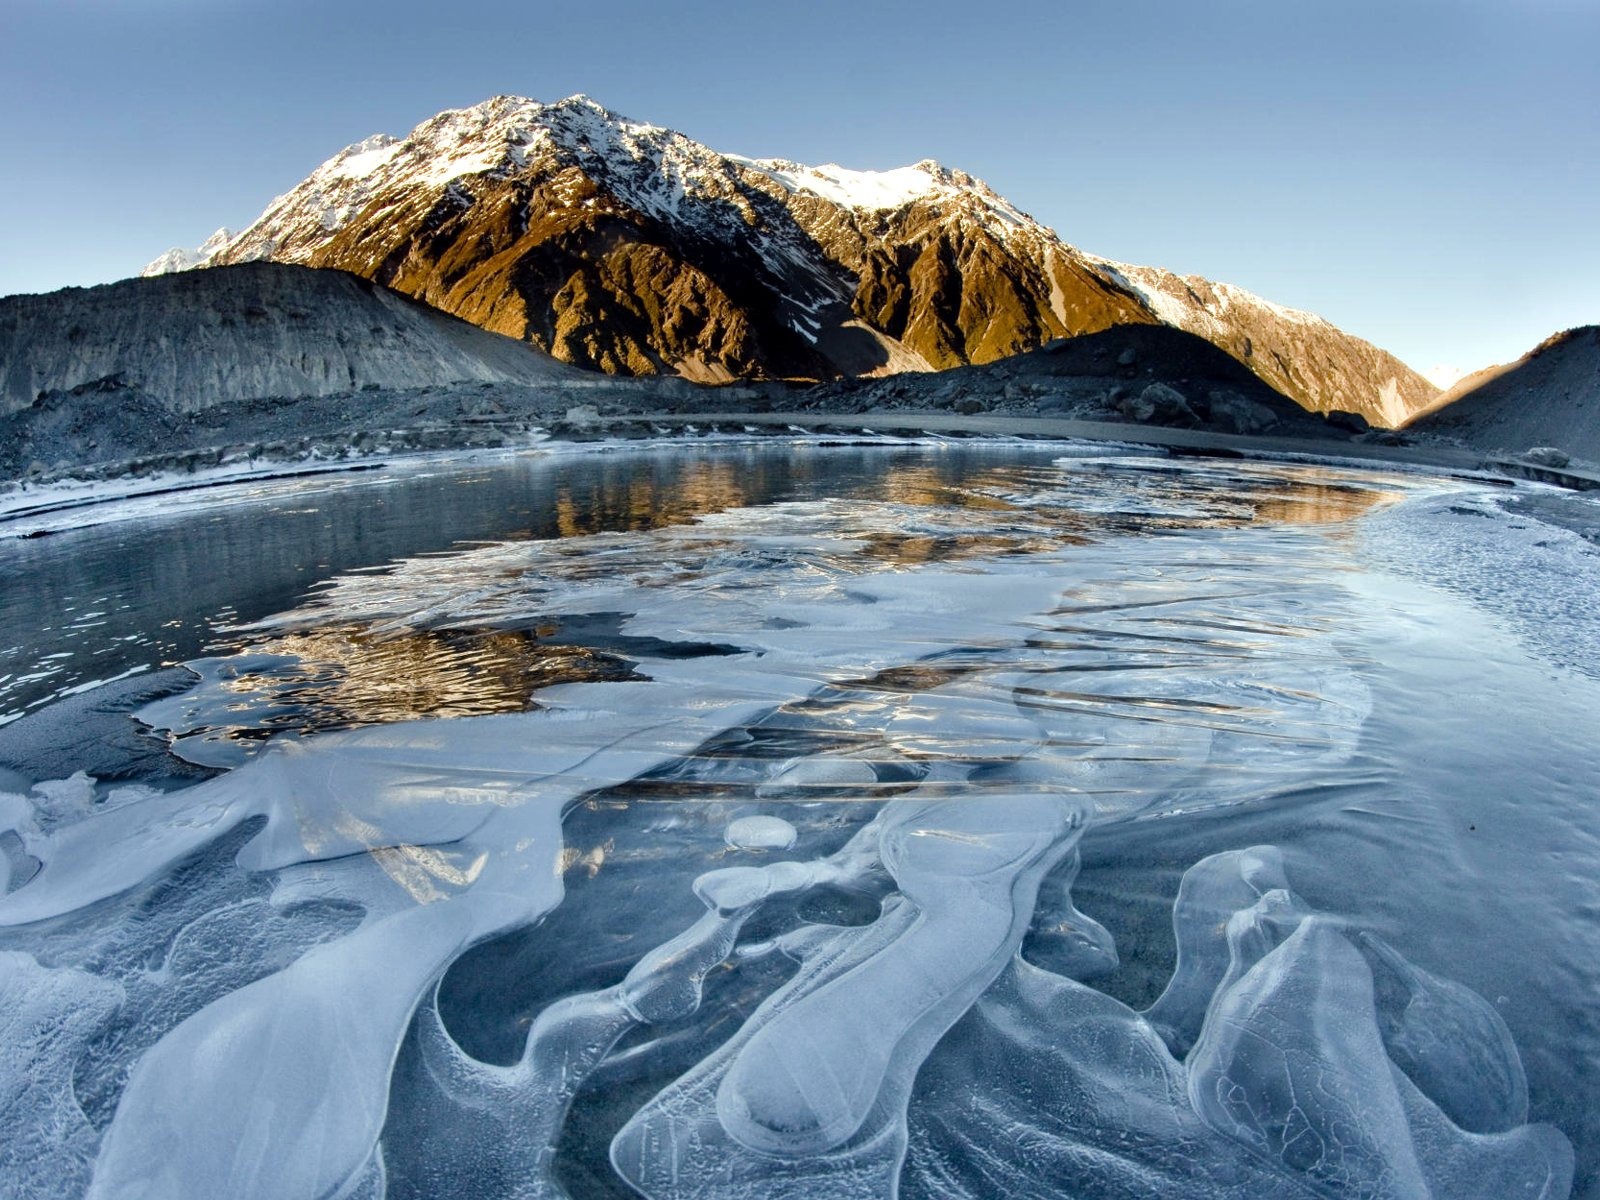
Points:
[[468, 632], [91, 604], [651, 497], [342, 677]]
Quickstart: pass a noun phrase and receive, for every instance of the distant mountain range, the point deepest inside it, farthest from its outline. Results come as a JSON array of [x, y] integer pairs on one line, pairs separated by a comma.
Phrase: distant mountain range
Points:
[[631, 249]]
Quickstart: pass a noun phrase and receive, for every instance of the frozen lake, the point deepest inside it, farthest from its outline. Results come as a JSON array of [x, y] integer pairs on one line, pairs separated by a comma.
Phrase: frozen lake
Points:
[[974, 819]]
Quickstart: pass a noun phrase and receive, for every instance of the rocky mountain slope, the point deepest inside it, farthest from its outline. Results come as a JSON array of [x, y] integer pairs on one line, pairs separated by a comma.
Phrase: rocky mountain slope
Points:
[[1548, 397], [191, 340], [1139, 374], [269, 363], [632, 249], [1298, 353]]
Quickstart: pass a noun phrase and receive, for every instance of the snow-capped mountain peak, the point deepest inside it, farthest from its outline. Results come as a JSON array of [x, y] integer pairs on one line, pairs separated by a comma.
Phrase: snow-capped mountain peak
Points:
[[860, 190], [649, 167], [180, 259], [622, 245]]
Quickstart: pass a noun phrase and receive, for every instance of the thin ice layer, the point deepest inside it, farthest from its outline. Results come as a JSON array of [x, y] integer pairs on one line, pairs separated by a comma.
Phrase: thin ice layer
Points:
[[1177, 675], [48, 1017], [456, 826], [812, 1091]]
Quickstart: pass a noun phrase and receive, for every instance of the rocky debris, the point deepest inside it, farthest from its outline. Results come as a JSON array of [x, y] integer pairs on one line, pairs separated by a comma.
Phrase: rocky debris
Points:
[[331, 447], [95, 420], [188, 341], [1232, 413], [1350, 422], [1159, 404], [633, 250], [1548, 397], [1384, 437], [1547, 456], [1100, 377], [101, 434]]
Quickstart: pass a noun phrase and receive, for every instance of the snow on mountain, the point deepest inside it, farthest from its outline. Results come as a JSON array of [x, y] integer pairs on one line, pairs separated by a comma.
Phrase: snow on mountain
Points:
[[884, 191], [870, 190], [651, 168], [629, 247], [1280, 344], [179, 259]]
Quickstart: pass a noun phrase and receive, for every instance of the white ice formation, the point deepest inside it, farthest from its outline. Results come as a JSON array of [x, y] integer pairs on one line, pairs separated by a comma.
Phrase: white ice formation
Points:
[[839, 955]]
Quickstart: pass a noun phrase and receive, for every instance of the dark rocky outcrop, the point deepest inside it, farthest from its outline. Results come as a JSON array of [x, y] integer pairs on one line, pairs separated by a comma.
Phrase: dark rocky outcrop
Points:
[[1139, 374], [1550, 397]]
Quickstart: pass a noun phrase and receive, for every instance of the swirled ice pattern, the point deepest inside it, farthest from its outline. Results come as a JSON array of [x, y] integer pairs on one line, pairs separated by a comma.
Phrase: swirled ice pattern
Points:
[[795, 918]]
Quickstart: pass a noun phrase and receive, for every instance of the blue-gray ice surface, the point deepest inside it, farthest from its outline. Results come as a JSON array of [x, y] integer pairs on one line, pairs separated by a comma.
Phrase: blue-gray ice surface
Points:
[[797, 920]]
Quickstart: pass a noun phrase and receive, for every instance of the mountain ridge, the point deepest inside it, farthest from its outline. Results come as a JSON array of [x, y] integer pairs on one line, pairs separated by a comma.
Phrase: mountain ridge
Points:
[[263, 329], [630, 248], [266, 362], [1548, 397]]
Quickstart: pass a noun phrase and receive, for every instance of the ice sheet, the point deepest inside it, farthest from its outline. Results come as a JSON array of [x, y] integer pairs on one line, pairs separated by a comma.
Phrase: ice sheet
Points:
[[798, 918]]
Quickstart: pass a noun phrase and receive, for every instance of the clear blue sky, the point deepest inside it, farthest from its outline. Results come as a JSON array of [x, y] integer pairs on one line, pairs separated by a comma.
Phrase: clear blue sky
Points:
[[1425, 173]]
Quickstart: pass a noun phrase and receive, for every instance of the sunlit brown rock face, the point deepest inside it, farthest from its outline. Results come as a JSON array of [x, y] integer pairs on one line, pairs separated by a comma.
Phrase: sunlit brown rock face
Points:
[[632, 249]]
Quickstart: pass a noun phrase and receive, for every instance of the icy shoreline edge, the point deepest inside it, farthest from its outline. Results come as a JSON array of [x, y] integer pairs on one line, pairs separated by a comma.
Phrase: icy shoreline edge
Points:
[[24, 501]]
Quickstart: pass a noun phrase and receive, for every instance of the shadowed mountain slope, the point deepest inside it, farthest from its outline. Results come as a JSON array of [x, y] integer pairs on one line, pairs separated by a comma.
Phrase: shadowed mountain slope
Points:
[[1548, 397], [1138, 374], [188, 341]]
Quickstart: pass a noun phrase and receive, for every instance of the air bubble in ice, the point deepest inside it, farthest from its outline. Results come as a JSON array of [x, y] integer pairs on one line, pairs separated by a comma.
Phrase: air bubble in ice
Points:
[[760, 833]]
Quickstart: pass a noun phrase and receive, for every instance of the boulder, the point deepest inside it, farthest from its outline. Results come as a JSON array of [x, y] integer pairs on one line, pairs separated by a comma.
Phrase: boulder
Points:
[[1547, 456], [1350, 422], [1233, 413], [1158, 404]]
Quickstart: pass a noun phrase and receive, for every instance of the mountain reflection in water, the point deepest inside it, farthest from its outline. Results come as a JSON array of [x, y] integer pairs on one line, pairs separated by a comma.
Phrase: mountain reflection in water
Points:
[[404, 667]]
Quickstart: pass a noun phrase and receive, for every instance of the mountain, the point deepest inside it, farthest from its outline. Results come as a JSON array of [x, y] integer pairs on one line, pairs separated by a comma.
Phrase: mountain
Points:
[[1142, 374], [264, 360], [191, 340], [630, 248], [179, 259], [1548, 397], [1298, 353]]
